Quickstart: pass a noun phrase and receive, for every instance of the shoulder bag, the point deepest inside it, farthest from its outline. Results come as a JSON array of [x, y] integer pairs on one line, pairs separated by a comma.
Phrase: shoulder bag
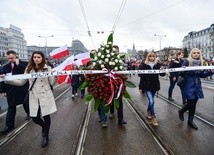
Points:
[[26, 99], [181, 81]]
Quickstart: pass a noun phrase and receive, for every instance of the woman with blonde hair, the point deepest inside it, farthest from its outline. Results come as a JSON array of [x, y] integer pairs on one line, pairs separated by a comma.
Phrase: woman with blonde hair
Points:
[[150, 84], [192, 87]]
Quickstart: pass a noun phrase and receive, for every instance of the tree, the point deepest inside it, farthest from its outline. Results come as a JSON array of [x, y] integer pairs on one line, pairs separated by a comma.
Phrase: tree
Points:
[[186, 53], [145, 53]]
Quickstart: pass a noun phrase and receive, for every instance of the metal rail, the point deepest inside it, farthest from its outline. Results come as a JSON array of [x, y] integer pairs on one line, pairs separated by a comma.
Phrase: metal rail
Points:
[[22, 127], [82, 137], [164, 147], [179, 107]]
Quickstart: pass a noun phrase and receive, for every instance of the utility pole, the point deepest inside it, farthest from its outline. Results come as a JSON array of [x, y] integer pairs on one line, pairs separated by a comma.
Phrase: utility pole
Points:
[[160, 36], [46, 37]]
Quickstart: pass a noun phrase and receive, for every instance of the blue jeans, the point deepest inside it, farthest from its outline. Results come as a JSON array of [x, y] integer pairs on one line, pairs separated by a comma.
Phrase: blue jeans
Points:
[[101, 113], [171, 87], [151, 95]]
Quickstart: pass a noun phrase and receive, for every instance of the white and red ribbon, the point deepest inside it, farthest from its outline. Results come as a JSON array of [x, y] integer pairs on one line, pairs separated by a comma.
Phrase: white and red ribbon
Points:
[[58, 73]]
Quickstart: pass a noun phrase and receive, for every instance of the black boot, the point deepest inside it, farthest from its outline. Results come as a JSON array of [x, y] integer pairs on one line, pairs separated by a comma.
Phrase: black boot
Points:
[[182, 111], [45, 141], [191, 123], [43, 132], [181, 115]]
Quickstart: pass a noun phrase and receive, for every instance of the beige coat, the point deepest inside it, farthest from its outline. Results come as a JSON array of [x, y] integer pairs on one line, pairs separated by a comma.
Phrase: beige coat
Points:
[[41, 94]]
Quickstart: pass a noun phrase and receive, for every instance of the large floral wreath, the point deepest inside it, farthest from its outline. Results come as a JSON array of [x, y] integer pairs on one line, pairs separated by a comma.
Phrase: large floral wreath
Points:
[[107, 87]]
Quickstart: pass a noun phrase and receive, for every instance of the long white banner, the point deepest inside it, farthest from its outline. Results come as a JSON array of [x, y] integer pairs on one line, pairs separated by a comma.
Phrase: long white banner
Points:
[[59, 73]]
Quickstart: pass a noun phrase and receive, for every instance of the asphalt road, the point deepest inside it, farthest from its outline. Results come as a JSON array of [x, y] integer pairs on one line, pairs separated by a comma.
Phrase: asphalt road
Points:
[[129, 139]]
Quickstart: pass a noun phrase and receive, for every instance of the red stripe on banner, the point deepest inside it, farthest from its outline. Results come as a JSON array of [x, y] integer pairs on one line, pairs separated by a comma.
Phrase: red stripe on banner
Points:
[[60, 54], [65, 78], [85, 61]]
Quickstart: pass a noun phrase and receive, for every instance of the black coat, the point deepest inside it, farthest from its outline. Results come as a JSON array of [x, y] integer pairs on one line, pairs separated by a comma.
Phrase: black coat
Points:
[[175, 64], [149, 82], [15, 94], [75, 80]]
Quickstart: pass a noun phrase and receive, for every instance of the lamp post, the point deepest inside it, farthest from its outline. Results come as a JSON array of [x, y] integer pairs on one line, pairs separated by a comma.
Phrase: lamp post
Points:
[[46, 52], [160, 36]]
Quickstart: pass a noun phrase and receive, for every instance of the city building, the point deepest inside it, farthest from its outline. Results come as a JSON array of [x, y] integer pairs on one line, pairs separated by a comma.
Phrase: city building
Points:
[[203, 39], [132, 53], [12, 39], [76, 48]]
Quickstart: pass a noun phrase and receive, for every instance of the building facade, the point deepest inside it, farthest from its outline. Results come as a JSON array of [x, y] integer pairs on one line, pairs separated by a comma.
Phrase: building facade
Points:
[[4, 44], [76, 48], [12, 39], [203, 39]]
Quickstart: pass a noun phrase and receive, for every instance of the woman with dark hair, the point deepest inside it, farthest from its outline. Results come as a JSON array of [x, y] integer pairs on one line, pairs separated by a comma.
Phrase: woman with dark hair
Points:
[[41, 99], [192, 87]]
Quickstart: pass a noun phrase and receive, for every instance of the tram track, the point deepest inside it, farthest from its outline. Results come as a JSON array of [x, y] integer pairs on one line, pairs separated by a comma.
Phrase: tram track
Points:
[[163, 146], [179, 107], [9, 137], [205, 84], [83, 133]]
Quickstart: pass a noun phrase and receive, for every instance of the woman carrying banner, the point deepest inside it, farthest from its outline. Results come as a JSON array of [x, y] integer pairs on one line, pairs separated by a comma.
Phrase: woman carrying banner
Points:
[[41, 99], [192, 87]]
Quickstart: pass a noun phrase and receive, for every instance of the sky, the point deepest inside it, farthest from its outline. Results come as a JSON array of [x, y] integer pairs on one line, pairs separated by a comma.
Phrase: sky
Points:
[[133, 21]]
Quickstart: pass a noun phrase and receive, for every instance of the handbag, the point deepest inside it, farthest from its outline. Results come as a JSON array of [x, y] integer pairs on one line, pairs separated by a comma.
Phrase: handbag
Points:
[[181, 81], [26, 99]]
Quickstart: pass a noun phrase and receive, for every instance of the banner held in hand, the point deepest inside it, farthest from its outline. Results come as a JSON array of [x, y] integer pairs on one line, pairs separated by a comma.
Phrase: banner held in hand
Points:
[[59, 52]]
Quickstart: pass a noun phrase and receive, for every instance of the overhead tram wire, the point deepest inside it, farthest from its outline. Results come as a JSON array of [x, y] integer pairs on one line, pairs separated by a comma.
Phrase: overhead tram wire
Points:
[[85, 19], [55, 14], [151, 14], [119, 14]]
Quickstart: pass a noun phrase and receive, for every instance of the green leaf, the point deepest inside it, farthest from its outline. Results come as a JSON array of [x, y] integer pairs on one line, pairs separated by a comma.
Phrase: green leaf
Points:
[[106, 109], [110, 38], [122, 56], [126, 95], [91, 55], [130, 84], [116, 103], [96, 105], [84, 85], [88, 98]]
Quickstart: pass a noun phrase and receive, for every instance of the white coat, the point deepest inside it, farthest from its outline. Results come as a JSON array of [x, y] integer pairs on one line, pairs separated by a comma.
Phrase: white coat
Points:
[[41, 94]]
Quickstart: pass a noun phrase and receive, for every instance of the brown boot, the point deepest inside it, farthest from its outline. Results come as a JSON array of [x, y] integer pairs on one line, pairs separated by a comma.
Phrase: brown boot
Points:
[[149, 115], [154, 121]]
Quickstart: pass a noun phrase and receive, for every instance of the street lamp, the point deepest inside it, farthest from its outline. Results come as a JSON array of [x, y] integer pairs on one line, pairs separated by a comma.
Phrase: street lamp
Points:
[[46, 52], [160, 36]]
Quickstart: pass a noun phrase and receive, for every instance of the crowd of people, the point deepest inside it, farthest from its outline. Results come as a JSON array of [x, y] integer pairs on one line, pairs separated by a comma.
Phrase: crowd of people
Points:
[[41, 103], [191, 90]]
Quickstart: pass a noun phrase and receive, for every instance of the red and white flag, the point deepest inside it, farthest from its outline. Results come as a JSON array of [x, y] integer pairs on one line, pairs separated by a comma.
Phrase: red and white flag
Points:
[[59, 52], [81, 59], [67, 62]]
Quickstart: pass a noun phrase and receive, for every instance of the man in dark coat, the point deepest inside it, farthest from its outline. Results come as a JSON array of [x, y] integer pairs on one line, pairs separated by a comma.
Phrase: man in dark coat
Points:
[[174, 75], [15, 94], [120, 109]]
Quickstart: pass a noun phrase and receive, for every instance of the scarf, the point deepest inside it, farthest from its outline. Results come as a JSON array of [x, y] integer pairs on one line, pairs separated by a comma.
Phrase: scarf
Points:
[[151, 64], [196, 62]]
